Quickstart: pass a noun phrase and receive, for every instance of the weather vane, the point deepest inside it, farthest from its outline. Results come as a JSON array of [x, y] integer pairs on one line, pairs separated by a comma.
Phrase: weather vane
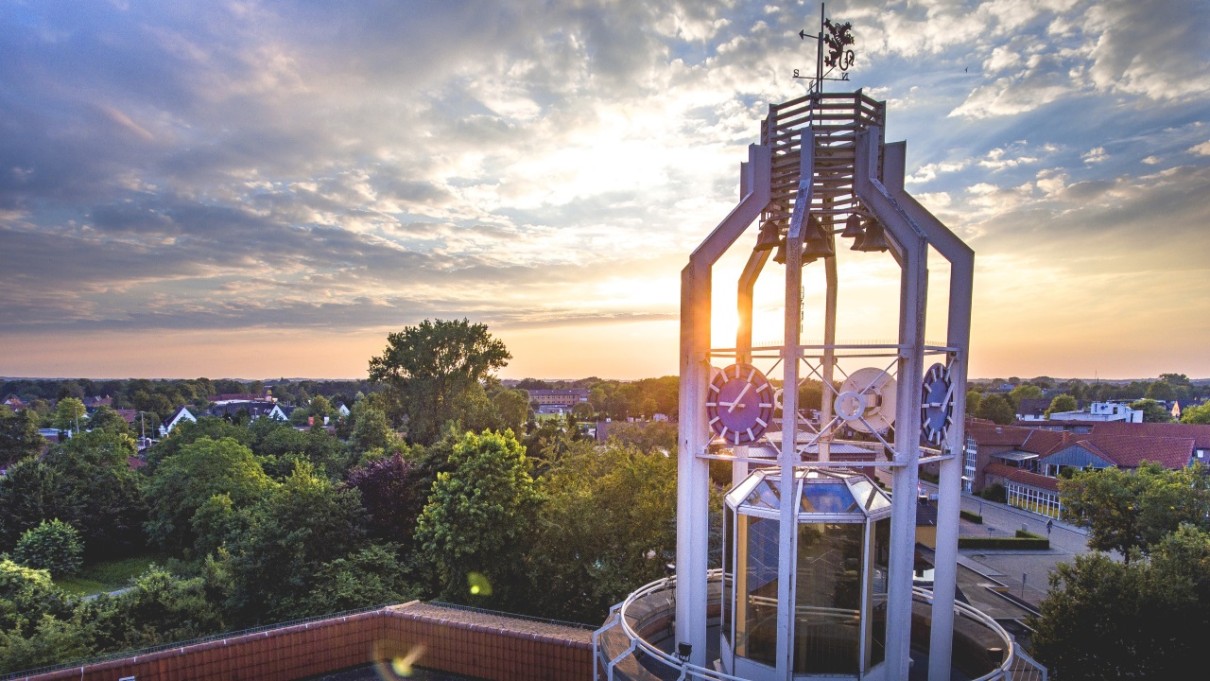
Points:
[[838, 37]]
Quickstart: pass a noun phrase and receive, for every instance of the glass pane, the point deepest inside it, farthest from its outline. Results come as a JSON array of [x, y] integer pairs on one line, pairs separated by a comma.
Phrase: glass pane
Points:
[[728, 571], [756, 589], [863, 491], [829, 497], [765, 495], [876, 648], [827, 622]]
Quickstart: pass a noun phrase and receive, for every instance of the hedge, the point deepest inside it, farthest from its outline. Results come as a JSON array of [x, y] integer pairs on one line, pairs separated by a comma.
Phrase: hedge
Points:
[[1023, 540]]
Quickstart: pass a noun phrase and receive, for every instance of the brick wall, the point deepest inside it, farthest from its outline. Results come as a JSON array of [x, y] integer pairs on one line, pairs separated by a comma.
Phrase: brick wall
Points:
[[486, 646]]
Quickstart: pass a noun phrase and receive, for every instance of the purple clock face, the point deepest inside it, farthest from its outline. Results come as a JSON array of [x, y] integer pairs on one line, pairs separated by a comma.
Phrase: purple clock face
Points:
[[739, 404]]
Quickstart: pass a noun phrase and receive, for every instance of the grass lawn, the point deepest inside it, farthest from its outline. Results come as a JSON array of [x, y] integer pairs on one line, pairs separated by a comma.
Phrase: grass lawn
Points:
[[107, 576]]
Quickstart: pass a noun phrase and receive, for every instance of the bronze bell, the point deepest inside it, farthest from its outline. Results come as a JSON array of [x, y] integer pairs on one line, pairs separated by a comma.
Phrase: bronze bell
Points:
[[819, 241], [873, 239]]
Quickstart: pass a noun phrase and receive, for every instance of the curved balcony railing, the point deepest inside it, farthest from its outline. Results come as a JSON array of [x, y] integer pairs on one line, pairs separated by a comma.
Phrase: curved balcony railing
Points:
[[631, 644]]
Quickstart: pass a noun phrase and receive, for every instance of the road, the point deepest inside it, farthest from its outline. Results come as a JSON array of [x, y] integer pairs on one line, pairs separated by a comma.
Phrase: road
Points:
[[1025, 573]]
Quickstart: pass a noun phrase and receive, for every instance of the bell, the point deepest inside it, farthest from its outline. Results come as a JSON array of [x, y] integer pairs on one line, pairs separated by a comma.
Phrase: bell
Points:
[[768, 237], [874, 238], [819, 241], [852, 226], [780, 256]]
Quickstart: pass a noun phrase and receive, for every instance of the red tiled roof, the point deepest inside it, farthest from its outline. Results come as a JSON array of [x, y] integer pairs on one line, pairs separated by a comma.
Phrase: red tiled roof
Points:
[[1033, 440], [1128, 452], [1199, 433], [1022, 476]]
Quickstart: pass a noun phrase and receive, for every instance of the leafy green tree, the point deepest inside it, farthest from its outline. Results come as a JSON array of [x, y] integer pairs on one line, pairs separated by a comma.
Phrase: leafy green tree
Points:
[[973, 399], [607, 527], [320, 407], [107, 418], [185, 481], [429, 370], [370, 576], [158, 608], [1025, 391], [512, 409], [69, 412], [1129, 511], [291, 533], [86, 482], [478, 518], [1161, 391], [19, 436], [53, 546], [36, 620], [188, 432], [371, 430], [1062, 403], [1197, 415], [1153, 412], [1145, 619], [996, 407]]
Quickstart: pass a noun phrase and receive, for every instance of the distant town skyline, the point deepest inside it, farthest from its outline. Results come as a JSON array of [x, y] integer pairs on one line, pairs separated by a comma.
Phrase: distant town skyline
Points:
[[255, 189]]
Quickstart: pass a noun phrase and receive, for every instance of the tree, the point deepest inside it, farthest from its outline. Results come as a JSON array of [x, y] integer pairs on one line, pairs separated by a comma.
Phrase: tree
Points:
[[19, 436], [995, 407], [107, 418], [68, 414], [478, 518], [973, 399], [1153, 412], [1160, 391], [1062, 403], [187, 480], [371, 430], [35, 620], [291, 533], [512, 409], [86, 482], [1199, 414], [1128, 511], [1146, 619], [1025, 391], [393, 492], [607, 527], [53, 546], [158, 608], [428, 369]]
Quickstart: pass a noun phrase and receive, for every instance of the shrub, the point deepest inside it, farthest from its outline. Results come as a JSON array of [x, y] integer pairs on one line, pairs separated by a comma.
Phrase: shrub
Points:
[[52, 545]]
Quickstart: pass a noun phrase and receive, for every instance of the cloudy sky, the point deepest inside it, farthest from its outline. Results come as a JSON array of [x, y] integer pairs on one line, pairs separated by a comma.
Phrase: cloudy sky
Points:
[[260, 189]]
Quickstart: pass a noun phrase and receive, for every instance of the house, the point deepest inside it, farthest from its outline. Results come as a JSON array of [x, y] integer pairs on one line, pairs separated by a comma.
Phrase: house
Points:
[[13, 402], [343, 411], [181, 414], [557, 401], [95, 402], [1033, 409], [1102, 412], [253, 408], [1028, 462], [1200, 434]]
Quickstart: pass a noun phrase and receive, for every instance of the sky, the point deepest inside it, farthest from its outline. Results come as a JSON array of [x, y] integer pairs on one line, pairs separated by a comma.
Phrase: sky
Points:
[[265, 189]]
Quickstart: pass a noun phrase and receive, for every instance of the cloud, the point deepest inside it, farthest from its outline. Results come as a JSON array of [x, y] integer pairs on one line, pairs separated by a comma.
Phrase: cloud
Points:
[[187, 167]]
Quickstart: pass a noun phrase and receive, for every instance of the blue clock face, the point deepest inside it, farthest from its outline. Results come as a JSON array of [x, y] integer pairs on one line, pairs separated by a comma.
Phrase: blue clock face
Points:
[[739, 404], [936, 404]]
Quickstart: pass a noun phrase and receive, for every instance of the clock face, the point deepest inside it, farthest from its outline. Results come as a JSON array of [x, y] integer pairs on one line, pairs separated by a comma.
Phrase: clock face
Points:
[[739, 404], [936, 404]]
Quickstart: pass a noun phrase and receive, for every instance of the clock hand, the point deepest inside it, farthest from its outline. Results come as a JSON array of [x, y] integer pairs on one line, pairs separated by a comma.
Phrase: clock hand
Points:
[[731, 407]]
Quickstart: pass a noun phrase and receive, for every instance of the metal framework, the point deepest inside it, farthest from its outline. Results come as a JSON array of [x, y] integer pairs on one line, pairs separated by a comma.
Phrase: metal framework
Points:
[[821, 160]]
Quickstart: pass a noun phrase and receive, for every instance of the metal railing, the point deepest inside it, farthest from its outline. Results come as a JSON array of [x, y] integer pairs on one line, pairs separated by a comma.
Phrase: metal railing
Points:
[[1015, 665]]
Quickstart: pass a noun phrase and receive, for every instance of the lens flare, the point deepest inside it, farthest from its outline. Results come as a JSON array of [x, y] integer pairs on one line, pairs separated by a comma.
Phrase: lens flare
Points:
[[391, 668], [478, 584]]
